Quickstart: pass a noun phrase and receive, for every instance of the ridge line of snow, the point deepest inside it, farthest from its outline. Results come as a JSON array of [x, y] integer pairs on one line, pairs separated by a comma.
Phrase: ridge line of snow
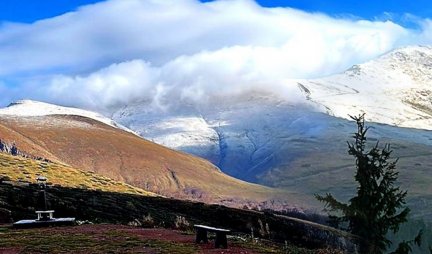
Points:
[[37, 108]]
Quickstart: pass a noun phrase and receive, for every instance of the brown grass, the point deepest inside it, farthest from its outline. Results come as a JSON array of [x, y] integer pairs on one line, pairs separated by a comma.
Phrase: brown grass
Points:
[[92, 146]]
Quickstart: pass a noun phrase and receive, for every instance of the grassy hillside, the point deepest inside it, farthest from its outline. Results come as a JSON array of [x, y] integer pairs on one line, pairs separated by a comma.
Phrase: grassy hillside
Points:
[[14, 168], [92, 146]]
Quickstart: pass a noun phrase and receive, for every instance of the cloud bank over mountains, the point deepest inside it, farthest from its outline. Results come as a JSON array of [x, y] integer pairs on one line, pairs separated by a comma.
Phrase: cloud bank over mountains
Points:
[[119, 51]]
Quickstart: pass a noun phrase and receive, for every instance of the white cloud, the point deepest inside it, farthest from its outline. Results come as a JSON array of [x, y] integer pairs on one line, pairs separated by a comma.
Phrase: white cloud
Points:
[[164, 50]]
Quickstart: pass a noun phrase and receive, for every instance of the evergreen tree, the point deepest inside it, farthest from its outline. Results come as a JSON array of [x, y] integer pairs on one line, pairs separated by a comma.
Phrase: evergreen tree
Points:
[[379, 205], [406, 246]]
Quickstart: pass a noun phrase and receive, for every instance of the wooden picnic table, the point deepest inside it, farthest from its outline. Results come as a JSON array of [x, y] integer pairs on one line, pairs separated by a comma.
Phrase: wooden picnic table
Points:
[[221, 235]]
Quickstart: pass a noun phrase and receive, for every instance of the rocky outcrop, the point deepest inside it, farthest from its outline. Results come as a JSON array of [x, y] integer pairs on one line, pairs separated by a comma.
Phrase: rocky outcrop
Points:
[[12, 149], [9, 148]]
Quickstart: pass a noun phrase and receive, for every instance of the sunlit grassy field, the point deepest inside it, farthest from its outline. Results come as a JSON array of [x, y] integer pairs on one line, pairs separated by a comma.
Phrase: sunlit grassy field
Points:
[[26, 170]]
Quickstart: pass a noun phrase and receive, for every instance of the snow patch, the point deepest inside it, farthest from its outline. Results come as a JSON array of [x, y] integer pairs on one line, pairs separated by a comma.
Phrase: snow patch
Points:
[[36, 108], [393, 89]]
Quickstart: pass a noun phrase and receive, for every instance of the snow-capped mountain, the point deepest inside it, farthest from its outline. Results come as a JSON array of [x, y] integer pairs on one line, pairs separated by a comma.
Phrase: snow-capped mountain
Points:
[[263, 137], [394, 89], [300, 145], [37, 108]]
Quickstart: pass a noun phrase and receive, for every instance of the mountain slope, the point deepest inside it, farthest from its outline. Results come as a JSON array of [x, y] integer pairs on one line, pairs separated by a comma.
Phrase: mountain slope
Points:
[[393, 89], [90, 145], [300, 145]]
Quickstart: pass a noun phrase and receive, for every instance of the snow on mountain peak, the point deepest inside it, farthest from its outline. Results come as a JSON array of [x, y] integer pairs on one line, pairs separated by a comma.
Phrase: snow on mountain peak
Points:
[[37, 108], [392, 89]]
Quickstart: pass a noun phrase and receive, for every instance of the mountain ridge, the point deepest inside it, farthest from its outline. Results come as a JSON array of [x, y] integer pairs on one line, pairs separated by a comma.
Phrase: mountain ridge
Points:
[[28, 107], [267, 138], [392, 89], [91, 145], [262, 137]]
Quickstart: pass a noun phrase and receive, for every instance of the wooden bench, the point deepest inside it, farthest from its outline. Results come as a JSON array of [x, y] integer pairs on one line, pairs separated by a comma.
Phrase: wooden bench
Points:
[[221, 235], [45, 215]]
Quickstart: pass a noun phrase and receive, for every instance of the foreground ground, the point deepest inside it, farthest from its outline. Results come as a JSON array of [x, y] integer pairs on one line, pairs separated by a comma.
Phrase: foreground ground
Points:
[[125, 239]]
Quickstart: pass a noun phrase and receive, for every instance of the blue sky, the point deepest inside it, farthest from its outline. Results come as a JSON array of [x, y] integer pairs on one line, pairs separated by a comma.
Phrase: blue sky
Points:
[[32, 10], [368, 9], [27, 11]]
